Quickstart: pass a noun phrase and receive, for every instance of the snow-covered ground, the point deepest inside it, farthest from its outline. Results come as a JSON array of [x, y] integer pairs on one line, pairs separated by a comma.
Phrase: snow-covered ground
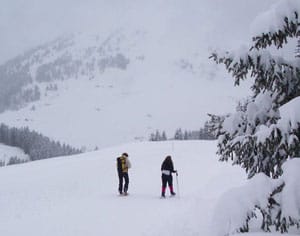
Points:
[[77, 196]]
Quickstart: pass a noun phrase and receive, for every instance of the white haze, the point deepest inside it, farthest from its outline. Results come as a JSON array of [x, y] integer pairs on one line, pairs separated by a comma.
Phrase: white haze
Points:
[[27, 23], [158, 96]]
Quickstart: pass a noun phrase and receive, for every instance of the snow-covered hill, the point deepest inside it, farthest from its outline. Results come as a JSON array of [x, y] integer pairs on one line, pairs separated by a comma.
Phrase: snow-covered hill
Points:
[[77, 196], [100, 90]]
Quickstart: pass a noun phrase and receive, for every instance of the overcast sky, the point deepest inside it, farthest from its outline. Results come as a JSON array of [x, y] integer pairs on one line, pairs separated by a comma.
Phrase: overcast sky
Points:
[[27, 23]]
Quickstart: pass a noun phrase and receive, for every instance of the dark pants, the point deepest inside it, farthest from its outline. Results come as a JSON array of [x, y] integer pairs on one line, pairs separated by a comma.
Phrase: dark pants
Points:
[[123, 175], [166, 179]]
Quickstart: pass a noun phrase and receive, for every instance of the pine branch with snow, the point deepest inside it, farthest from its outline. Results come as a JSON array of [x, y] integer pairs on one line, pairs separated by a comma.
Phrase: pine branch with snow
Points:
[[257, 138], [273, 199], [275, 26], [264, 134], [270, 73]]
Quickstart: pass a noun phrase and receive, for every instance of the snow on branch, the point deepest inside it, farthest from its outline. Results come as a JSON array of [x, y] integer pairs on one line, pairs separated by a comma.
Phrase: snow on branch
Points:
[[277, 24], [269, 71], [236, 207], [263, 135], [276, 199], [255, 136]]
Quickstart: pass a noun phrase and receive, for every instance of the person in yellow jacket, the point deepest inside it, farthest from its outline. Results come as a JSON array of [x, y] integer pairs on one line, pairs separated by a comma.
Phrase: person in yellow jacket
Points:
[[123, 164]]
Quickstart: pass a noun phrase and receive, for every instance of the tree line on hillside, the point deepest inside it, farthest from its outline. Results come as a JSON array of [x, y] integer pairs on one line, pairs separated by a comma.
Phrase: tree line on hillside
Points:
[[204, 133], [34, 144], [13, 160]]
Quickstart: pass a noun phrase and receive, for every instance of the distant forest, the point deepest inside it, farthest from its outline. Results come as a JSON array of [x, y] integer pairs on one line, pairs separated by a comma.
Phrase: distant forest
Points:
[[35, 145], [204, 133]]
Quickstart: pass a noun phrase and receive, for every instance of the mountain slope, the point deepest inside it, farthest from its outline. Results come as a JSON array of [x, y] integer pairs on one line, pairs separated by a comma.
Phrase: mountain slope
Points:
[[101, 90], [78, 196]]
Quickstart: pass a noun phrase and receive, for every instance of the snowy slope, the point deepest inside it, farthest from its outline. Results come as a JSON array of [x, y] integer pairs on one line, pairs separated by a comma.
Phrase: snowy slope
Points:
[[78, 196], [120, 86]]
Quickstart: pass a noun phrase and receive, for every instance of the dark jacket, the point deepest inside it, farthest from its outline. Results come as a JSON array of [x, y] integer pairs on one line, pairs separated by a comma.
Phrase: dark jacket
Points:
[[168, 165]]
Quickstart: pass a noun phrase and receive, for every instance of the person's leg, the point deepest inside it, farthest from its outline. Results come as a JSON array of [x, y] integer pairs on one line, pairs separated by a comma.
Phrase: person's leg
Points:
[[164, 185], [126, 177], [170, 183], [120, 183]]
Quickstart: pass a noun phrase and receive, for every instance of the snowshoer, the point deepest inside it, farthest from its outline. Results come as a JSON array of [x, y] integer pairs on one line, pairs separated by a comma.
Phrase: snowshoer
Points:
[[123, 164], [167, 168]]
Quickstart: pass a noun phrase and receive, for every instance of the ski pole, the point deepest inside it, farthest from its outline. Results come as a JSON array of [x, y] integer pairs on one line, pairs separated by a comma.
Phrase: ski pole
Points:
[[177, 184]]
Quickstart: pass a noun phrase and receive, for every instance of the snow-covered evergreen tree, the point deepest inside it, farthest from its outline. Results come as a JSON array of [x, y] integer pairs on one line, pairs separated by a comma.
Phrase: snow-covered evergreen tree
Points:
[[264, 131], [297, 51], [164, 136], [157, 136], [253, 137], [178, 134]]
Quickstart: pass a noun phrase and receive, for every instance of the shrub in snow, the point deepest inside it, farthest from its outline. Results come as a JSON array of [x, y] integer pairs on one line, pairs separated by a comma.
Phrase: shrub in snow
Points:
[[264, 132], [276, 199]]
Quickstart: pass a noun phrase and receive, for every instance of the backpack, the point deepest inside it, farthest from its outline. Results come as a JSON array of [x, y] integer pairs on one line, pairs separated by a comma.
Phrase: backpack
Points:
[[123, 164]]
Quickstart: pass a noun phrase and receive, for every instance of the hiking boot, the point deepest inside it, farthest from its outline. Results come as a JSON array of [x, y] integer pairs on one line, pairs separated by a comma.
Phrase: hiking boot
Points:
[[171, 191]]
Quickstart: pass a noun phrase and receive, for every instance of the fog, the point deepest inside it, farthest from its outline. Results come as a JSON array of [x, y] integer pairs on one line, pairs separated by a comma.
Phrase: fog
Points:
[[25, 24]]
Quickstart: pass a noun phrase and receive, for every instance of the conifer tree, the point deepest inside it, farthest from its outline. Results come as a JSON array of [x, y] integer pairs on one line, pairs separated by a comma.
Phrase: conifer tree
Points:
[[256, 136], [164, 136], [178, 134], [297, 51], [157, 136], [252, 137]]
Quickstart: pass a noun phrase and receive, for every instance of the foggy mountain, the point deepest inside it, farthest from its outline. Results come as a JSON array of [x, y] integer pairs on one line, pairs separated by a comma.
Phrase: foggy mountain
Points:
[[121, 80], [98, 90]]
